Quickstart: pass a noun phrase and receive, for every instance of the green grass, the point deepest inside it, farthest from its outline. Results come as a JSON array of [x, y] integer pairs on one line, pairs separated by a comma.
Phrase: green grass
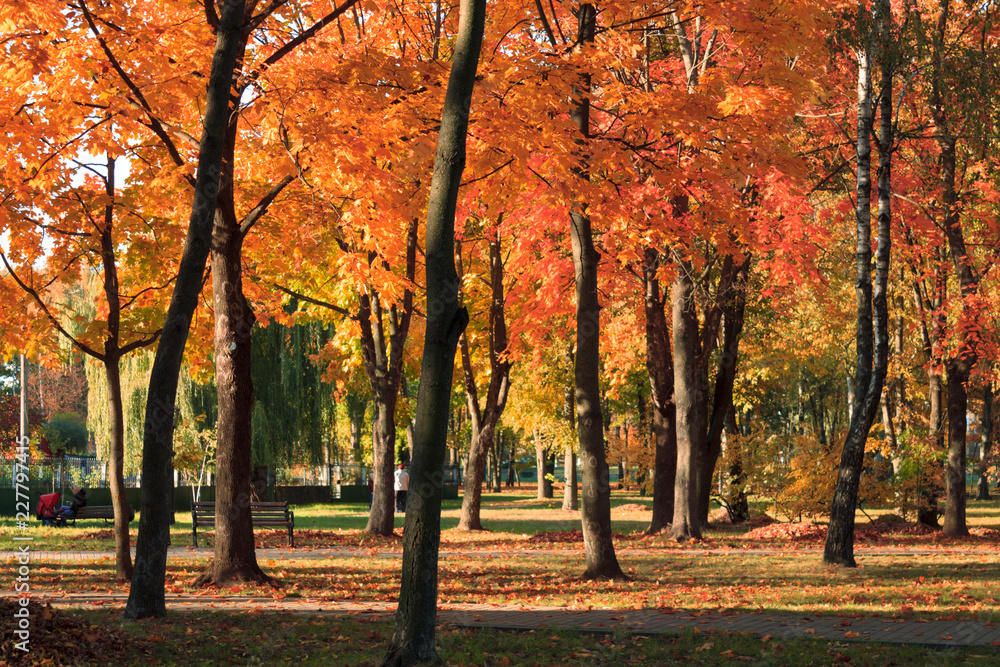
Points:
[[933, 586], [264, 639], [509, 516]]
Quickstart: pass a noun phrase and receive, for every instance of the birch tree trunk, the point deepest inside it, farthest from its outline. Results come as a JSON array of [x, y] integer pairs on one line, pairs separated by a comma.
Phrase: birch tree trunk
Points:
[[873, 324]]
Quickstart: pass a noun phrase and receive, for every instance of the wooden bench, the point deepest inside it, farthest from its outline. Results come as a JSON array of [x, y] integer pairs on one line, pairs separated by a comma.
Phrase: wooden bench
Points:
[[106, 512], [261, 514]]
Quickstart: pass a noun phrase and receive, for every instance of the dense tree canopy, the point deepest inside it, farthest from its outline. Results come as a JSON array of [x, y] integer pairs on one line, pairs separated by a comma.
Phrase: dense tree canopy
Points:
[[672, 235]]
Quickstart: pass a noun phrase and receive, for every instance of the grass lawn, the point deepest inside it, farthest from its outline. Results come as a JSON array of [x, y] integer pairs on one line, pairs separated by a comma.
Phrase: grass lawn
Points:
[[216, 638], [518, 520], [934, 586], [955, 579]]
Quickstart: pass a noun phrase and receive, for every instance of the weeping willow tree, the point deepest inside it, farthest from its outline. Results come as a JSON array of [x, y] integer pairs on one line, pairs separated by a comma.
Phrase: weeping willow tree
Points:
[[196, 406], [294, 410]]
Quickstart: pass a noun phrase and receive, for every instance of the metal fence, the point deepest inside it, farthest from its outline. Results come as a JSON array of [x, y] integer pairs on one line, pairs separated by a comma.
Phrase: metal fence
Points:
[[54, 474]]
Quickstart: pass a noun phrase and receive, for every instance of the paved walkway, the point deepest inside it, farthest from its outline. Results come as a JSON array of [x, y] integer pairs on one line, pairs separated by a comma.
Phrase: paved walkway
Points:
[[313, 553], [636, 621]]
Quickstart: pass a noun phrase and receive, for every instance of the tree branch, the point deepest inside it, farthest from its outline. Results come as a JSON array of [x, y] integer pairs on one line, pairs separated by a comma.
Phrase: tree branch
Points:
[[308, 33], [258, 211], [155, 124], [142, 342], [86, 349], [316, 302]]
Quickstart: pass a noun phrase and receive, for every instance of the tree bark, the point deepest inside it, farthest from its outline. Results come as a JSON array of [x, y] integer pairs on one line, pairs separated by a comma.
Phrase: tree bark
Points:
[[111, 360], [872, 328], [542, 469], [958, 408], [929, 308], [733, 295], [383, 361], [985, 441], [123, 549], [485, 418], [960, 366], [737, 502], [599, 550], [571, 496], [660, 369], [687, 401], [413, 638], [601, 561], [235, 557], [147, 595]]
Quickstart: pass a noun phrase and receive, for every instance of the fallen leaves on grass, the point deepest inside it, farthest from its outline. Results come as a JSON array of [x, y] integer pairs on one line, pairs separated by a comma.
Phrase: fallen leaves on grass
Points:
[[58, 638], [633, 507], [558, 536], [795, 532]]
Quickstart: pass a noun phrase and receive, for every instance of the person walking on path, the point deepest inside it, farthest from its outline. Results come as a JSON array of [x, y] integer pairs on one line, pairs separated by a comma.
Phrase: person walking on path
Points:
[[401, 484]]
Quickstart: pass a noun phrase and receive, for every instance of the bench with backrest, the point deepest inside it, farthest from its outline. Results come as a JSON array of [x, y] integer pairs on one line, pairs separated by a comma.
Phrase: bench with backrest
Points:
[[106, 512], [261, 514]]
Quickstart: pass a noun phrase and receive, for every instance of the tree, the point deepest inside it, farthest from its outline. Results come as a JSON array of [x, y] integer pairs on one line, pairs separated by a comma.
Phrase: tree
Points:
[[413, 638], [146, 596], [660, 368], [99, 212], [872, 317], [485, 417], [599, 550]]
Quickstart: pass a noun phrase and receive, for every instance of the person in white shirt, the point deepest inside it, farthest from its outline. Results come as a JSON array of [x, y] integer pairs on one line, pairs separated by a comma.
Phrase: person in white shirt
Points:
[[401, 485]]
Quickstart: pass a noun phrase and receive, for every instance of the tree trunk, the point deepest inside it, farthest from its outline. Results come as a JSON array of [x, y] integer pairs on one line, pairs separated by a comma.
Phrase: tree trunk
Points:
[[259, 483], [737, 503], [416, 617], [985, 441], [960, 366], [686, 524], [383, 361], [473, 491], [111, 361], [147, 595], [381, 518], [499, 448], [570, 492], [733, 297], [660, 369], [485, 419], [599, 549], [542, 469], [929, 308], [958, 409], [872, 330], [123, 552], [235, 557], [356, 408]]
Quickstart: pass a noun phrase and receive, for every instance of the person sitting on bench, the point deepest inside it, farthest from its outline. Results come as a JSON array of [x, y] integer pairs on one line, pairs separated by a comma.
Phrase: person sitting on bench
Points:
[[79, 499]]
